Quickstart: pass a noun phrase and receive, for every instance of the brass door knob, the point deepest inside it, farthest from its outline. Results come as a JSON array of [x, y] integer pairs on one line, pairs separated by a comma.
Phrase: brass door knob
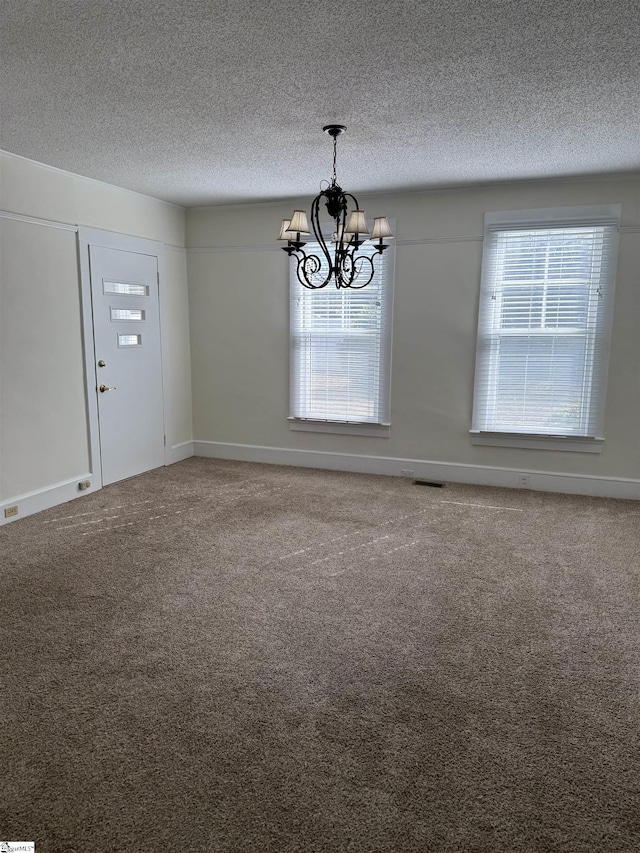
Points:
[[104, 388]]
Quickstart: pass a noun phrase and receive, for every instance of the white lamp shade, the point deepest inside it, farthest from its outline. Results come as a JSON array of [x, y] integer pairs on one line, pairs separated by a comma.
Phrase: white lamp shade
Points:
[[299, 222], [357, 223], [381, 228], [285, 232]]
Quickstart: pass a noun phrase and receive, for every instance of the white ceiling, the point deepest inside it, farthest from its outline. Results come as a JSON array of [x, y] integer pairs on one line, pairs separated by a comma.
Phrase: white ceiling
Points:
[[216, 101]]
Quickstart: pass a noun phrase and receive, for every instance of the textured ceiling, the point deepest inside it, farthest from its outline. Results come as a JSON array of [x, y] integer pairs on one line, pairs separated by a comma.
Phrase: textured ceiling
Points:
[[205, 102]]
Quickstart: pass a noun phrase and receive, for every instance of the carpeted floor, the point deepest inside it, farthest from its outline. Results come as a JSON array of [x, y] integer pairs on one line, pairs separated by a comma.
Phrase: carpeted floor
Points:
[[223, 657]]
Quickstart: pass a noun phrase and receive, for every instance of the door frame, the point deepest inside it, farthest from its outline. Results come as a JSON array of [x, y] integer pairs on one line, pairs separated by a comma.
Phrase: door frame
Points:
[[112, 240]]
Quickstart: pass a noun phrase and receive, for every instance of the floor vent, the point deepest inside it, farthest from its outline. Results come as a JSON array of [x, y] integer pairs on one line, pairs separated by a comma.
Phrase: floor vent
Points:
[[428, 483]]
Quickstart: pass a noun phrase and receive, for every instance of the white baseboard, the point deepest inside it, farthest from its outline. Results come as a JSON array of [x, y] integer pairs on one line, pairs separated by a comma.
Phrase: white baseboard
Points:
[[178, 452], [448, 472], [68, 490], [47, 497]]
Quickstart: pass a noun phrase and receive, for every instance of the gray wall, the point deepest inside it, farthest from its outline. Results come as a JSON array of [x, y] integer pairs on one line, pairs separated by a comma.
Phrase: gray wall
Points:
[[238, 286], [43, 414], [228, 331]]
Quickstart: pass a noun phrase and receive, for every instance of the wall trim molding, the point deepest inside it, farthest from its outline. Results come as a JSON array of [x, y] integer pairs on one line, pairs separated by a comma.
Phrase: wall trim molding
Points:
[[426, 241], [418, 241], [421, 241], [453, 472], [32, 220], [209, 250], [178, 452], [47, 497]]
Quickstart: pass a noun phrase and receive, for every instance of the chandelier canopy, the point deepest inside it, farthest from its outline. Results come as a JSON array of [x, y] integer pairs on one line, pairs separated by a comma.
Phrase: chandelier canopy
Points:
[[341, 263]]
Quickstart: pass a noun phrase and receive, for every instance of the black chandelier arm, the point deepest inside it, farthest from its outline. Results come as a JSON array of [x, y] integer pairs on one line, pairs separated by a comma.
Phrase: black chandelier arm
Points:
[[306, 267], [353, 199], [355, 272], [317, 231]]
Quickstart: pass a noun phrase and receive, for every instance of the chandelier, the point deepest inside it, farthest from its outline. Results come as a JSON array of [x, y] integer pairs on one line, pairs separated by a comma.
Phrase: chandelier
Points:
[[342, 262]]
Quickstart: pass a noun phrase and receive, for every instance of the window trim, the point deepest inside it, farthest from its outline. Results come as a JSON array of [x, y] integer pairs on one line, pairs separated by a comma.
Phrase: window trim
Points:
[[380, 429], [583, 215], [374, 430], [535, 441]]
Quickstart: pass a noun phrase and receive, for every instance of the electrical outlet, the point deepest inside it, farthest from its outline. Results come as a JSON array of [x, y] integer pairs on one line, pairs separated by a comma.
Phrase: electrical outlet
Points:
[[406, 472], [10, 511], [84, 484], [524, 480]]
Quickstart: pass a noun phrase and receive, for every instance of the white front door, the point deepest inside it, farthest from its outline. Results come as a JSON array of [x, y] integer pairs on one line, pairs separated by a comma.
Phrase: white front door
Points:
[[126, 325]]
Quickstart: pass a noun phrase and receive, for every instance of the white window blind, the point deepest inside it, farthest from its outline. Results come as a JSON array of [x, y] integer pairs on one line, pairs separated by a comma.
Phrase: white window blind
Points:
[[545, 322], [341, 347]]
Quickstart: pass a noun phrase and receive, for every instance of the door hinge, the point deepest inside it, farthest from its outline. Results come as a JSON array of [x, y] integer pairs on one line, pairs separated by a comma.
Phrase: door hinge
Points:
[[165, 441], [158, 277]]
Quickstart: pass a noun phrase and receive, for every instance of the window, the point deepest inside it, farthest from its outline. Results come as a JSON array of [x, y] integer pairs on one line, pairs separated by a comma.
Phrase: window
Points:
[[544, 326], [341, 353]]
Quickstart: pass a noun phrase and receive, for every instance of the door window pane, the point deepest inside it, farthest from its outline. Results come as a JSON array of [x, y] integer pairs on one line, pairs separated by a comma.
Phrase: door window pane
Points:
[[118, 314], [125, 288], [129, 340]]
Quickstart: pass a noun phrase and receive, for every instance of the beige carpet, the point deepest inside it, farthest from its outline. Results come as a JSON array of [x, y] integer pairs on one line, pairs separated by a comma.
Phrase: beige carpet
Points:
[[230, 657]]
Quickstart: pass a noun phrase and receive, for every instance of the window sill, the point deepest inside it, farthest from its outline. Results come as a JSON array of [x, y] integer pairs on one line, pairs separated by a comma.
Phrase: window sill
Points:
[[340, 427], [538, 442]]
